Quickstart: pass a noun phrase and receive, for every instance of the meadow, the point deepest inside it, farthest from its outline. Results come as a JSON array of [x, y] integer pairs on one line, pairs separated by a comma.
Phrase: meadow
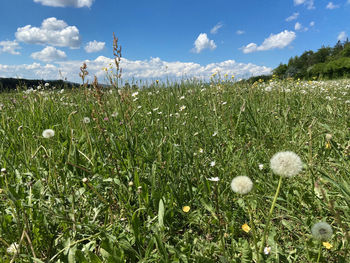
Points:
[[145, 174]]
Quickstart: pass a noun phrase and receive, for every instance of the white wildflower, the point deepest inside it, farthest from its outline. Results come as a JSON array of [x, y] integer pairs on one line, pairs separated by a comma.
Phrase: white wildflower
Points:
[[214, 179], [86, 120], [13, 249]]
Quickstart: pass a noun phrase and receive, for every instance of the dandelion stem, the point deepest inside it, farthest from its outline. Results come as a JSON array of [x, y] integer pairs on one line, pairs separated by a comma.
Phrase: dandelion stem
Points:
[[267, 226], [253, 232], [319, 253]]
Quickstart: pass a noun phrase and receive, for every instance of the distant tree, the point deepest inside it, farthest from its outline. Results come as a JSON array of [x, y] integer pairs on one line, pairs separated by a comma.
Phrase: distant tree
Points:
[[280, 71]]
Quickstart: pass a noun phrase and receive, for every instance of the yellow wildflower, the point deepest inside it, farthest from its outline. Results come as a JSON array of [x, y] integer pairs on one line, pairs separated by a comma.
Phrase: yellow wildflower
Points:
[[246, 228], [327, 245], [328, 145], [186, 208]]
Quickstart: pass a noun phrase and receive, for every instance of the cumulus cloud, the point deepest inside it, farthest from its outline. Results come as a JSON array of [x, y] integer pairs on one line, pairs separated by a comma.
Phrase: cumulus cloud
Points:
[[49, 54], [240, 32], [308, 3], [94, 46], [331, 6], [280, 40], [52, 32], [312, 23], [215, 29], [342, 36], [203, 42], [64, 3], [139, 69], [292, 17], [9, 47]]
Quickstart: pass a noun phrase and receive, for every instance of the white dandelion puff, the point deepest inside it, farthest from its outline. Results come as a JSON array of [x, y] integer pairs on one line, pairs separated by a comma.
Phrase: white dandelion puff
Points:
[[287, 164], [322, 231], [241, 184], [48, 133], [212, 164]]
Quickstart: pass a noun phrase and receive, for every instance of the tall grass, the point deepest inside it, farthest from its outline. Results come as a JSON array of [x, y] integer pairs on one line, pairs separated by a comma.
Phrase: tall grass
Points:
[[113, 189]]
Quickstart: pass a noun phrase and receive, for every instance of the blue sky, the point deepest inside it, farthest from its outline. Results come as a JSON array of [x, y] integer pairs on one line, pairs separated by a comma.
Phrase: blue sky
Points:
[[50, 39]]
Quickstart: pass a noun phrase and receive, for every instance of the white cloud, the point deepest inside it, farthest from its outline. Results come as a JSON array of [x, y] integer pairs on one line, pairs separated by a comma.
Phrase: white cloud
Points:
[[312, 23], [64, 3], [309, 3], [342, 36], [9, 47], [203, 42], [240, 32], [215, 29], [94, 46], [279, 40], [153, 68], [49, 54], [332, 6], [52, 32], [300, 27], [292, 17], [297, 26]]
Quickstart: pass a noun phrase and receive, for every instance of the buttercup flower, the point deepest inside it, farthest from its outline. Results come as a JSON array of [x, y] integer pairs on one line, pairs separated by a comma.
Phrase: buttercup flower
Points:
[[246, 228], [186, 208], [241, 185], [322, 231], [286, 164]]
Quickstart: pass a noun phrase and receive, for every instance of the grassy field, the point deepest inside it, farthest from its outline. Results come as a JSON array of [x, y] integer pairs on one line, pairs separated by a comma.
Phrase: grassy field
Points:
[[144, 175]]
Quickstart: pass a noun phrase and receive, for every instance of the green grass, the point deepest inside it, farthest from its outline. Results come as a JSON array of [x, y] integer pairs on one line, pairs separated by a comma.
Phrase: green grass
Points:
[[113, 190]]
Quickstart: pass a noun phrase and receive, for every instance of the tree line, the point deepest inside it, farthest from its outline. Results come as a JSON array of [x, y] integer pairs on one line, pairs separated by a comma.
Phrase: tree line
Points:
[[325, 63], [7, 84]]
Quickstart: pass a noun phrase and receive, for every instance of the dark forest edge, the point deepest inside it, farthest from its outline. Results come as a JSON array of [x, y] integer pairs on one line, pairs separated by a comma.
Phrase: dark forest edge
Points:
[[325, 63], [8, 84]]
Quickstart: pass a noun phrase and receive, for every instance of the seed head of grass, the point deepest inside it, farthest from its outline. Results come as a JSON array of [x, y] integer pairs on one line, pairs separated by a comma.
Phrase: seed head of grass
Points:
[[241, 185], [286, 164]]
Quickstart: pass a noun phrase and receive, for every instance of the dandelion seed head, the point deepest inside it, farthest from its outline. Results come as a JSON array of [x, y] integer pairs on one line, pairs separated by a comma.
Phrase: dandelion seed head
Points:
[[86, 120], [241, 184], [321, 231], [328, 136], [287, 164], [48, 133]]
